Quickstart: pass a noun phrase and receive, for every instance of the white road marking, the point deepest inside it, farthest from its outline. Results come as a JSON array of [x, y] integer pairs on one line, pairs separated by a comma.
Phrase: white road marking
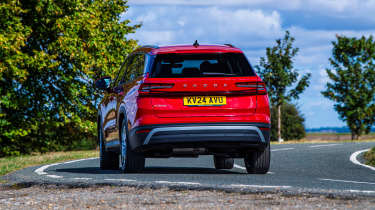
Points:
[[354, 160], [360, 191], [41, 170], [282, 149], [243, 168], [238, 166], [121, 180], [54, 176], [82, 178], [324, 145], [348, 181], [258, 186], [168, 182], [73, 161]]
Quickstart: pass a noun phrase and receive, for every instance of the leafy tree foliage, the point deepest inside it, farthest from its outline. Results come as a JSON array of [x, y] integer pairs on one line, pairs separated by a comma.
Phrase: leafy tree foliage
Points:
[[292, 127], [352, 82], [282, 80], [50, 54]]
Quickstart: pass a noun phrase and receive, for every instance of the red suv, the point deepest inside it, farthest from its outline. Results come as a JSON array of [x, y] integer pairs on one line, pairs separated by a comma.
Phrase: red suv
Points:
[[184, 101]]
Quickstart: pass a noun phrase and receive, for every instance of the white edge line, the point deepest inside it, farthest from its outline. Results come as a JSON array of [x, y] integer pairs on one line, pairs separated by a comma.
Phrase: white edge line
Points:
[[360, 191], [324, 145], [354, 160], [282, 149], [348, 181], [41, 170], [121, 180], [168, 182], [82, 178], [54, 176], [238, 166], [243, 168], [258, 186]]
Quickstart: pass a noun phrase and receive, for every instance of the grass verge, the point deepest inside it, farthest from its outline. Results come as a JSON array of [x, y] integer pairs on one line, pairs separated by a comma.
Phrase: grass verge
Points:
[[370, 157], [10, 164]]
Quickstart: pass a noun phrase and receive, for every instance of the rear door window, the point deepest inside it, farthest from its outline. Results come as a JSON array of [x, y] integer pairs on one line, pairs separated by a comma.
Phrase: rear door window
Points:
[[121, 76], [135, 69]]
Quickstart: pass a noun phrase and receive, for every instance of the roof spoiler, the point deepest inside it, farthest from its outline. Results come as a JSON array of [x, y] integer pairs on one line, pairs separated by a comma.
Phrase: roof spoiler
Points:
[[229, 45]]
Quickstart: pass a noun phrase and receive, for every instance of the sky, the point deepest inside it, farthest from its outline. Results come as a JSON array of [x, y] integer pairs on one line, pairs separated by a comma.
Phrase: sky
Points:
[[254, 25]]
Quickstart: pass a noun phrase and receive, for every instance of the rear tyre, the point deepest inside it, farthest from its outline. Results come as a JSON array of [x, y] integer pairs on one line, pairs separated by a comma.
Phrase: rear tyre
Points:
[[223, 162], [258, 162], [108, 159], [130, 161]]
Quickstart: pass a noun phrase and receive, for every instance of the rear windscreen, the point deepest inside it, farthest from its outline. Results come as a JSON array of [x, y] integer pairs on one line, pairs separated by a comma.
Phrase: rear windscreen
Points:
[[201, 65]]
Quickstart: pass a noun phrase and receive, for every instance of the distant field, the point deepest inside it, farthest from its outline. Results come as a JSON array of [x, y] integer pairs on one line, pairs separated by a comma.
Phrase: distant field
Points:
[[336, 136]]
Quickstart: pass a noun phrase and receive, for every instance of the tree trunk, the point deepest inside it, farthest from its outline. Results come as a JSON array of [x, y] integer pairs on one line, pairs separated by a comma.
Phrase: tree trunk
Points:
[[355, 136], [279, 123]]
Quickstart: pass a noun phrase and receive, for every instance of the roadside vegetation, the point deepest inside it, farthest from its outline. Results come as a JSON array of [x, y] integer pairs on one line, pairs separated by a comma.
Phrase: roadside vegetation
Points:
[[51, 52], [284, 84], [370, 157], [292, 122], [10, 164], [351, 82]]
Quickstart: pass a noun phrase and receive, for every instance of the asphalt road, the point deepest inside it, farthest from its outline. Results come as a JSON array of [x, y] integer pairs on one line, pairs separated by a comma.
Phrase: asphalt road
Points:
[[295, 168]]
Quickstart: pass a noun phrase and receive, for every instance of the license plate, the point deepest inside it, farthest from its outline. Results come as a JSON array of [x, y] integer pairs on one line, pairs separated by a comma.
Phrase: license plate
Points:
[[205, 100]]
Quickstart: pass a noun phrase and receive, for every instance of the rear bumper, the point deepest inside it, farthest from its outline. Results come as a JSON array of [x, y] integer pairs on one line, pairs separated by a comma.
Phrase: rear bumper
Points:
[[211, 135]]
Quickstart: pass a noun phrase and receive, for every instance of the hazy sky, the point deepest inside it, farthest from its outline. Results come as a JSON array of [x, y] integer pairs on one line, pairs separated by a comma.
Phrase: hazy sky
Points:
[[253, 25]]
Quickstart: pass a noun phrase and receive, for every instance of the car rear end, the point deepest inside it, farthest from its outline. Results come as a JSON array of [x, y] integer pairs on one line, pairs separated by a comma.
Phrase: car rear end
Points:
[[200, 100]]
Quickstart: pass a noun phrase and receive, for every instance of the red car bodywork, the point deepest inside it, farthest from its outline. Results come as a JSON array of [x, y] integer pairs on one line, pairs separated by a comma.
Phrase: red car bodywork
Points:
[[148, 103]]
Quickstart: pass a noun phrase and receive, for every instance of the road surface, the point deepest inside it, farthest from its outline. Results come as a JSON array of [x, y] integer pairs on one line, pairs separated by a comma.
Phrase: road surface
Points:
[[295, 168]]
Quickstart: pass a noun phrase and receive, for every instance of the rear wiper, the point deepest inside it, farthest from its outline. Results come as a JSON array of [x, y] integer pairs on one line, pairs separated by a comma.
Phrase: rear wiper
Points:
[[218, 73]]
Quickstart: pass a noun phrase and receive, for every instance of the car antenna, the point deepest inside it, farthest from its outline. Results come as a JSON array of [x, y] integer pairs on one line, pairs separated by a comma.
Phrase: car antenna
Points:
[[196, 44]]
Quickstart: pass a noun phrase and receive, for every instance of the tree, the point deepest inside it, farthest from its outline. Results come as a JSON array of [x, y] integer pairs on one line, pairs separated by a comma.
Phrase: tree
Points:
[[51, 52], [292, 123], [279, 75], [352, 82]]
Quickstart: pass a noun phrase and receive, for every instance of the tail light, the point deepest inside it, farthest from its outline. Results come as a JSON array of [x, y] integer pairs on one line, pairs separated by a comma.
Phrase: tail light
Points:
[[258, 88], [149, 88]]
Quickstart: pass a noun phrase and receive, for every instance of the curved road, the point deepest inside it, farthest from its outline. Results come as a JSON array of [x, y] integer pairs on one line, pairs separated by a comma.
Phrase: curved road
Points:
[[295, 168]]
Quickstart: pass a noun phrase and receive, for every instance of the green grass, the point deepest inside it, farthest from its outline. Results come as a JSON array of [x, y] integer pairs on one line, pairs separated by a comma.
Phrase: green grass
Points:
[[370, 157], [10, 164]]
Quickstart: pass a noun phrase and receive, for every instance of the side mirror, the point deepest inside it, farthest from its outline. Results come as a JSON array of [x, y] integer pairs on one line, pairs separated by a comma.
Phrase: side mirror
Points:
[[103, 83]]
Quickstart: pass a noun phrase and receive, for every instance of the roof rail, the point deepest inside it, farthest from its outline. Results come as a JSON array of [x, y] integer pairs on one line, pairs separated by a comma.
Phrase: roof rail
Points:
[[150, 46], [229, 45]]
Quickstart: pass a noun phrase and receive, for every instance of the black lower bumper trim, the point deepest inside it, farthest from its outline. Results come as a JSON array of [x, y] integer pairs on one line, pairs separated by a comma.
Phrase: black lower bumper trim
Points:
[[200, 134]]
